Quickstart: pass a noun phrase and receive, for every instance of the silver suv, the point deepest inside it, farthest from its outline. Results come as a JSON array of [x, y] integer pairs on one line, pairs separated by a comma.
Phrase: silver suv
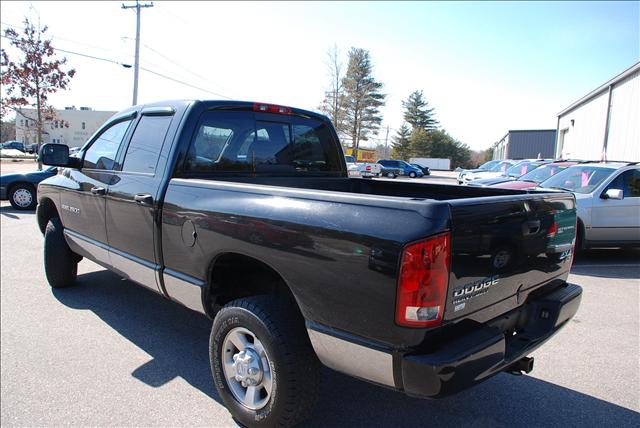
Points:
[[608, 202]]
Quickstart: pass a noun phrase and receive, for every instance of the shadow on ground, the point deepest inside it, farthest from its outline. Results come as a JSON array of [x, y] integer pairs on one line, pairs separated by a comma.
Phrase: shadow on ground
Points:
[[9, 211], [177, 340], [608, 263]]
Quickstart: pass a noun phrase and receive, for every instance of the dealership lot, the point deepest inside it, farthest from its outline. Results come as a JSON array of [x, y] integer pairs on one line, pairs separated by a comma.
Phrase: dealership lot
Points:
[[111, 353]]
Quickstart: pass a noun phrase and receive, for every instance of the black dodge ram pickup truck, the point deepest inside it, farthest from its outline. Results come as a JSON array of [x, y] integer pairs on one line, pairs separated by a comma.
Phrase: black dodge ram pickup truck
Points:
[[244, 212]]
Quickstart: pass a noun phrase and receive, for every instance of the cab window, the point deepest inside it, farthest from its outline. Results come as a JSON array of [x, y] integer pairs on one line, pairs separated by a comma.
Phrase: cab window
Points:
[[235, 142], [102, 152]]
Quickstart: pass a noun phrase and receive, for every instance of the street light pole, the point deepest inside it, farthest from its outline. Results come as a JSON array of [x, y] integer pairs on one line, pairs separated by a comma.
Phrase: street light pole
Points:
[[136, 66]]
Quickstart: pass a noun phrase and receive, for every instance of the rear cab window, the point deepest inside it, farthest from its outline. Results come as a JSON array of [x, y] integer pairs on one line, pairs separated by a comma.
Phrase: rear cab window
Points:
[[242, 142]]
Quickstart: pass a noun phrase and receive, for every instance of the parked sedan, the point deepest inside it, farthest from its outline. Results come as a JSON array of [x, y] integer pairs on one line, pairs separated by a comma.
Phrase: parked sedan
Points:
[[607, 200], [425, 169], [15, 145], [535, 177], [496, 169], [511, 174], [404, 167], [20, 188]]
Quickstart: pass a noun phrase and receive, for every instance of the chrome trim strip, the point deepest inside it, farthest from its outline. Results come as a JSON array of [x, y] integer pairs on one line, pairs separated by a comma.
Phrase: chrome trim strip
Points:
[[184, 289], [352, 359], [87, 247], [135, 269], [158, 111]]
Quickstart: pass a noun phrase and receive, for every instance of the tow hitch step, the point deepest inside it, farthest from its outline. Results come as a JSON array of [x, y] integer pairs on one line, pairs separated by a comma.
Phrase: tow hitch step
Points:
[[523, 365]]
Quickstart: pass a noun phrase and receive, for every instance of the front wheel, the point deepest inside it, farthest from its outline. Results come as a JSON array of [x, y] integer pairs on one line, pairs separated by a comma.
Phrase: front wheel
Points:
[[23, 197], [412, 174], [60, 263], [262, 362]]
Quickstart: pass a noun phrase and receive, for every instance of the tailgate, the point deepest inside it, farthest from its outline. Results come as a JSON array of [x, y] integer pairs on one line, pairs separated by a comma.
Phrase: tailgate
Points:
[[502, 248]]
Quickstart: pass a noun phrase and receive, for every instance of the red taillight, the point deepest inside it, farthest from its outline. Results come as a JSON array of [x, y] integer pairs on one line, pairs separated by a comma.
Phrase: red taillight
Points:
[[271, 108], [553, 229], [368, 167], [422, 287]]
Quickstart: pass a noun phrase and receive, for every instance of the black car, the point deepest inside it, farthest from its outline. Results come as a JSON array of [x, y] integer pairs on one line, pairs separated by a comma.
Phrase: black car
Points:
[[20, 187], [425, 169]]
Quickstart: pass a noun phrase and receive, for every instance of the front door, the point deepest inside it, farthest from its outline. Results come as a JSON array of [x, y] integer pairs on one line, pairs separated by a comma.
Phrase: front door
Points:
[[132, 201], [83, 203], [618, 220]]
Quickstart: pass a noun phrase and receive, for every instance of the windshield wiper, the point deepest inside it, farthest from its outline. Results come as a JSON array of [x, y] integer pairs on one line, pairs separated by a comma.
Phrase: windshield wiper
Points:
[[559, 188]]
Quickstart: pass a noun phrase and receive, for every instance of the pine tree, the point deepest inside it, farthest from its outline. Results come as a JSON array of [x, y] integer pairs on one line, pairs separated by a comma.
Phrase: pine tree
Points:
[[363, 98], [417, 112], [401, 143], [421, 144]]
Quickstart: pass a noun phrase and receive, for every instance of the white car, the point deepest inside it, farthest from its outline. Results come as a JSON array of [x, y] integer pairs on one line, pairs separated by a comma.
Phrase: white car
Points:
[[356, 169], [495, 169], [608, 202]]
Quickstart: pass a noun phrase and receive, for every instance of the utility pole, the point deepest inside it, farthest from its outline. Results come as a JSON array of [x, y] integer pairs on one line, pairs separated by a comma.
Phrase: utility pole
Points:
[[386, 140], [138, 6]]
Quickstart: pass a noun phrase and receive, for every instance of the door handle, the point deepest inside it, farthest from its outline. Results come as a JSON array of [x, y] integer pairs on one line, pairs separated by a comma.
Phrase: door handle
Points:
[[144, 199], [98, 190]]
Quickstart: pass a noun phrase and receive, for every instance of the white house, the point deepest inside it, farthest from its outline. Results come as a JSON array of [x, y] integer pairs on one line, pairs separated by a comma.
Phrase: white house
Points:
[[82, 123]]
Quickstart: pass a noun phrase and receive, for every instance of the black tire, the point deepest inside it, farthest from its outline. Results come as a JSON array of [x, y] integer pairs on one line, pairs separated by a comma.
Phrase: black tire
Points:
[[23, 197], [391, 175], [293, 365], [412, 174], [60, 263]]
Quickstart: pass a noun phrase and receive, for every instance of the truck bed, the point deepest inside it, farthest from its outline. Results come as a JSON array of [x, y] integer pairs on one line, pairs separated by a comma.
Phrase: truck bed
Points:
[[351, 233]]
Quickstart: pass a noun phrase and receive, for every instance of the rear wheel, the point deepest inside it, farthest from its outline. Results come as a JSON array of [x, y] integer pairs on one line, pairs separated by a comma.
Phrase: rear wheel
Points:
[[60, 263], [23, 197], [263, 365], [391, 175]]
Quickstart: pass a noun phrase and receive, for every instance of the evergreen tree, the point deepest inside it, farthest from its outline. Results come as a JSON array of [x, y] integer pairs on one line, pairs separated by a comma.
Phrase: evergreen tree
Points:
[[420, 143], [417, 112], [401, 143], [363, 99]]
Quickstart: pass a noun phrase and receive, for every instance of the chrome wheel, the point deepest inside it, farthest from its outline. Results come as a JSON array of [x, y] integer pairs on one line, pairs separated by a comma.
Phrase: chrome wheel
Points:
[[246, 368], [501, 259], [22, 197]]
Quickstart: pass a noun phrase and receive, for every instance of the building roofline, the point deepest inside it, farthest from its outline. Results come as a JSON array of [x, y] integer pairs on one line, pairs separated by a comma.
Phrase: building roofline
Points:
[[531, 130], [601, 89]]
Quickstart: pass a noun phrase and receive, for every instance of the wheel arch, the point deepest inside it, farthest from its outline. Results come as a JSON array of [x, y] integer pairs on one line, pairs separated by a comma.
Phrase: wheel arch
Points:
[[232, 275], [45, 211]]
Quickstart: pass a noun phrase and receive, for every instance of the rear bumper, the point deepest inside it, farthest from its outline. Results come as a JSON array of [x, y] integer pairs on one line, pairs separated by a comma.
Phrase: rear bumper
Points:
[[459, 361], [485, 351]]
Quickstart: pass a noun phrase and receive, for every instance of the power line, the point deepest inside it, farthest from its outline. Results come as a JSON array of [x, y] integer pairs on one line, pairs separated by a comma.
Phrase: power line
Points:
[[184, 83], [142, 68]]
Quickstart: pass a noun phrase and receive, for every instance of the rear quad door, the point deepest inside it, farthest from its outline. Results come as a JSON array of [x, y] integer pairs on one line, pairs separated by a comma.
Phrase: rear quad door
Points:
[[132, 202], [82, 203]]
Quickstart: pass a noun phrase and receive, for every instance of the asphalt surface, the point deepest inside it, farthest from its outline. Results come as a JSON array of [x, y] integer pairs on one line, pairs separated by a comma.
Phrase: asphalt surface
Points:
[[111, 353]]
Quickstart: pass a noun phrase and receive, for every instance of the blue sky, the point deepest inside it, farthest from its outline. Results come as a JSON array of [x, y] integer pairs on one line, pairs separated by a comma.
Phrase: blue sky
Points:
[[486, 67]]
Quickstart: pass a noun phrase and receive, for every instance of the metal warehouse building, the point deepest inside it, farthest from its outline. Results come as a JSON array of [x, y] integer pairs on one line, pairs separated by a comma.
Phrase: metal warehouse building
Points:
[[526, 144], [605, 122]]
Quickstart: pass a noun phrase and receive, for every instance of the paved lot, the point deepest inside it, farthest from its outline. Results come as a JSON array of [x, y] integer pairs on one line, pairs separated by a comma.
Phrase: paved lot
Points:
[[110, 353]]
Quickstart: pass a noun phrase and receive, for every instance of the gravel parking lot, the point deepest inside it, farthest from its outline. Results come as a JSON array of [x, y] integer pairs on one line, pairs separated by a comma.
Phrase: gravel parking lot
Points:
[[110, 353]]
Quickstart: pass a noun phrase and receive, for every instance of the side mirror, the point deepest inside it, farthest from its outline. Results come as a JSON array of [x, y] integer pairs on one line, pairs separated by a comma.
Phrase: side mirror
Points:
[[55, 154], [613, 194]]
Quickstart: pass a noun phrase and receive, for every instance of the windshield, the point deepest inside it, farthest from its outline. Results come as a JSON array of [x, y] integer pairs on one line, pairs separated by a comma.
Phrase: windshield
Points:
[[488, 165], [578, 178], [350, 159], [542, 173], [521, 168], [501, 166]]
